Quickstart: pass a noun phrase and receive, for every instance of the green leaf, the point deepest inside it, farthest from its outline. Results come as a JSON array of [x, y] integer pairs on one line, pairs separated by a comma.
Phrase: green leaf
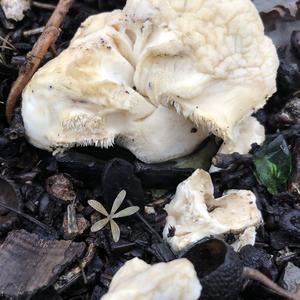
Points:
[[273, 165]]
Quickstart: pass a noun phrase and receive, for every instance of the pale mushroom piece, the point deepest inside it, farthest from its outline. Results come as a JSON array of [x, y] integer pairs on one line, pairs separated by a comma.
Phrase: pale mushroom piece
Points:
[[176, 280], [195, 214], [15, 9], [246, 238], [85, 97], [145, 76], [246, 133], [80, 99], [209, 59]]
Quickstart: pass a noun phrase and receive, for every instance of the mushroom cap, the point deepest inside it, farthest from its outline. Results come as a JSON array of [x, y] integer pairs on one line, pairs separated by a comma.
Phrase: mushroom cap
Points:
[[85, 96], [141, 78], [209, 59], [195, 213], [176, 280]]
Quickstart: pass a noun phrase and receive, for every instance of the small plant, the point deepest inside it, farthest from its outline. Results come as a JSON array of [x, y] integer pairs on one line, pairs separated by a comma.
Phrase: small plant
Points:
[[109, 218]]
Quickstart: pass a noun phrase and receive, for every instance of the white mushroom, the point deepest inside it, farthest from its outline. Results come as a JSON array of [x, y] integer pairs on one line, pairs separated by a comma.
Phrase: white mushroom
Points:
[[210, 59], [127, 73], [85, 97], [195, 214], [176, 280], [247, 132], [15, 9]]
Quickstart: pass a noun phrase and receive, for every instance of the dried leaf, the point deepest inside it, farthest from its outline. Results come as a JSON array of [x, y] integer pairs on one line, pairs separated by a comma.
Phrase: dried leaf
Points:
[[118, 201], [126, 212], [98, 207], [115, 230], [99, 225]]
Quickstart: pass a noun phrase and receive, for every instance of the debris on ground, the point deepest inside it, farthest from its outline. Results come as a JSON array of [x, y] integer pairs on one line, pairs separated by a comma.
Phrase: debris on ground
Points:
[[30, 263]]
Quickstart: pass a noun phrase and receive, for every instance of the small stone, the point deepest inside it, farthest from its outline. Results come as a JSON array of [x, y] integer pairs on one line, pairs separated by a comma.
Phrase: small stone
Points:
[[149, 210], [291, 277], [273, 165], [61, 187]]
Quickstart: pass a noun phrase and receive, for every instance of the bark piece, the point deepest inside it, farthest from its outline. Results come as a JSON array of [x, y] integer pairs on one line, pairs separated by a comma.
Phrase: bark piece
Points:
[[30, 264]]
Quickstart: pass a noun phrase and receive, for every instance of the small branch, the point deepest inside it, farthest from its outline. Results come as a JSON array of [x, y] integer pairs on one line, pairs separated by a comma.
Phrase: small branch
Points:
[[249, 273], [150, 228], [43, 5], [47, 38], [29, 218], [33, 31], [64, 281], [6, 42], [53, 50]]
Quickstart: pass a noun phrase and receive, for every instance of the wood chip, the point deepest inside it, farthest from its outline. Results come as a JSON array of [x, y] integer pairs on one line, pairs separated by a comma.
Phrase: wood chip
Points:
[[29, 263]]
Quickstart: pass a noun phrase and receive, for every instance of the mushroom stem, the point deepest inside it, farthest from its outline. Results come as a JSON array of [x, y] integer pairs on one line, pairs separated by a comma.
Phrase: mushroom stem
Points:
[[249, 273], [47, 38]]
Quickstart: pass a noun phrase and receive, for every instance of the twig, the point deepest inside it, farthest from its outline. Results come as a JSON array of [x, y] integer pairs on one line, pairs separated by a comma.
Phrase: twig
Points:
[[29, 218], [53, 50], [47, 38], [64, 281], [249, 273], [6, 42], [7, 48], [33, 31], [43, 5], [151, 229]]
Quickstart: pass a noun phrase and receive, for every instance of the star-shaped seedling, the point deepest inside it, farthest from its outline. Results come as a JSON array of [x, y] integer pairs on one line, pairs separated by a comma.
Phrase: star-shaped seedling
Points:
[[115, 229]]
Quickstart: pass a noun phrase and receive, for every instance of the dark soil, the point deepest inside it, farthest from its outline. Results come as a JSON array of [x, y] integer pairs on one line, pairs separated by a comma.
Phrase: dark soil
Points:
[[48, 188]]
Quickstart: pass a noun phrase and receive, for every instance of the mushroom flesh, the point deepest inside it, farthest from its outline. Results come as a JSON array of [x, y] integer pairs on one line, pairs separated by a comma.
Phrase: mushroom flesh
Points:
[[176, 280], [194, 213], [144, 77]]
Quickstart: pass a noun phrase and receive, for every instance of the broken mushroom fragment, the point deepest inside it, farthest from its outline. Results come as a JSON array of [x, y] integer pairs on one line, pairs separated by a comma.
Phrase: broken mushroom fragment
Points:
[[176, 280], [86, 97], [195, 214], [15, 9], [246, 133], [144, 76]]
